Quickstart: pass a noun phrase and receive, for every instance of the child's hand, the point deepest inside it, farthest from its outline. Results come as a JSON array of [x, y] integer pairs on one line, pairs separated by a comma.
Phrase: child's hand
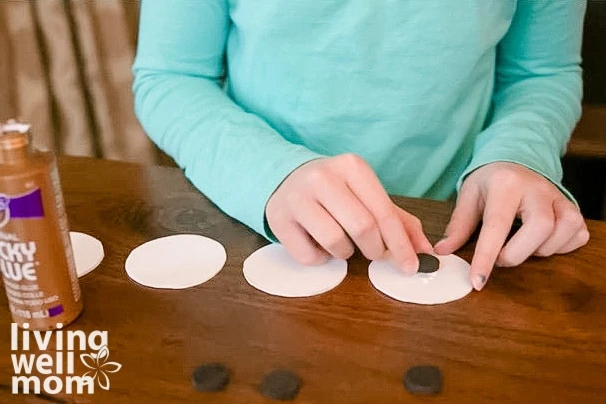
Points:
[[497, 193], [327, 205]]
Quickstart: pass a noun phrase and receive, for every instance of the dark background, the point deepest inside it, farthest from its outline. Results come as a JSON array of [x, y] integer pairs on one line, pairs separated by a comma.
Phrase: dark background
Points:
[[585, 173]]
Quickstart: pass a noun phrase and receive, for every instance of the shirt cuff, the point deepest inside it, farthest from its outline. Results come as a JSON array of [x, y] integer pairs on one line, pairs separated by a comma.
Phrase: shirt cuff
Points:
[[254, 217], [527, 158]]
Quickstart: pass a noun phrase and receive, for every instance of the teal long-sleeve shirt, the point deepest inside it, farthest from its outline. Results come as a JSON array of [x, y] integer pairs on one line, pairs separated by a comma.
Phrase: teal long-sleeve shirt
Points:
[[242, 92]]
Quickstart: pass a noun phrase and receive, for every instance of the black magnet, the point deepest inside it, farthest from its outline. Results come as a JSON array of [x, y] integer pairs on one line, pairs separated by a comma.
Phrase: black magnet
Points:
[[428, 263], [210, 377], [423, 380], [280, 385]]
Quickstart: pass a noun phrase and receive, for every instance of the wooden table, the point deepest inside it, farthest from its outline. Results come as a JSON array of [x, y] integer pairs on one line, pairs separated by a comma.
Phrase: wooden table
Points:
[[537, 333]]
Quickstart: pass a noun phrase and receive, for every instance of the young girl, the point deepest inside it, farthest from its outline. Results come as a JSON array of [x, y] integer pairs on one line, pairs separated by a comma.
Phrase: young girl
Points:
[[298, 118]]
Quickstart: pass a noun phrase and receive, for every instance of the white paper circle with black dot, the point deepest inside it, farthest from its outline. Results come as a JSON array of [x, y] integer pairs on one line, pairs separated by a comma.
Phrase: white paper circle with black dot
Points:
[[176, 262], [88, 252], [449, 283], [271, 269]]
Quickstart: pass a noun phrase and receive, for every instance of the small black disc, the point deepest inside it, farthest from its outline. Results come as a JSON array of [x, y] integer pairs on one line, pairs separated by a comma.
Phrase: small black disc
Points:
[[423, 380], [280, 385], [210, 377], [428, 263]]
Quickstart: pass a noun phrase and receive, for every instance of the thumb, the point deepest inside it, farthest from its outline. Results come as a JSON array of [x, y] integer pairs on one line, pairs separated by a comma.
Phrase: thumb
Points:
[[463, 222]]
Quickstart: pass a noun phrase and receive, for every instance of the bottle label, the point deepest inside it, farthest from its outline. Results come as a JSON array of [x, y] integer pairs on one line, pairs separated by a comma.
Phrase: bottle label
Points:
[[28, 206], [19, 263]]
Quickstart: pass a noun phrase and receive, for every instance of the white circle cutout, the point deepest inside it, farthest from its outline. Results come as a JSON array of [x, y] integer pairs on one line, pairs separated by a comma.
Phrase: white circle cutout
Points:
[[88, 252], [176, 262], [450, 282], [272, 270]]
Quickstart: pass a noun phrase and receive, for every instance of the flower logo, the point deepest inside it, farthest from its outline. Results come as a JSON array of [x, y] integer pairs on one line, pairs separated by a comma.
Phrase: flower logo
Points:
[[98, 364]]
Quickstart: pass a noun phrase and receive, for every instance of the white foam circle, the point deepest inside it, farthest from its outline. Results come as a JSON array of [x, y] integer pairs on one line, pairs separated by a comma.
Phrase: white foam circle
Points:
[[272, 270], [176, 262], [449, 283], [88, 252]]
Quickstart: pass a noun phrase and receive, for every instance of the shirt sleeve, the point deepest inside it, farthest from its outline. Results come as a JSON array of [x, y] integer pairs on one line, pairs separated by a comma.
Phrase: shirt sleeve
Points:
[[235, 158], [538, 89]]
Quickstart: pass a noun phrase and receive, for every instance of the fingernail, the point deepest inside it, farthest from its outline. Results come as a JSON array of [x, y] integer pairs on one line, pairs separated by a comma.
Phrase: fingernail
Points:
[[440, 242], [479, 281], [409, 268]]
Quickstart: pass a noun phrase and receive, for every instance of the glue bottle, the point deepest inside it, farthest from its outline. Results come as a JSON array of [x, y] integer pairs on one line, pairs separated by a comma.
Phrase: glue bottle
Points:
[[36, 258]]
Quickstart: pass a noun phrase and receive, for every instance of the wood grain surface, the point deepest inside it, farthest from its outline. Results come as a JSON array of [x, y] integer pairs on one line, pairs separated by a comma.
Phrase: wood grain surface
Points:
[[536, 333]]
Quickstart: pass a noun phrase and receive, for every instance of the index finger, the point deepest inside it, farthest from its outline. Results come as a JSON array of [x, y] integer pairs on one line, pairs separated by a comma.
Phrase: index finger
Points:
[[499, 213], [364, 183]]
